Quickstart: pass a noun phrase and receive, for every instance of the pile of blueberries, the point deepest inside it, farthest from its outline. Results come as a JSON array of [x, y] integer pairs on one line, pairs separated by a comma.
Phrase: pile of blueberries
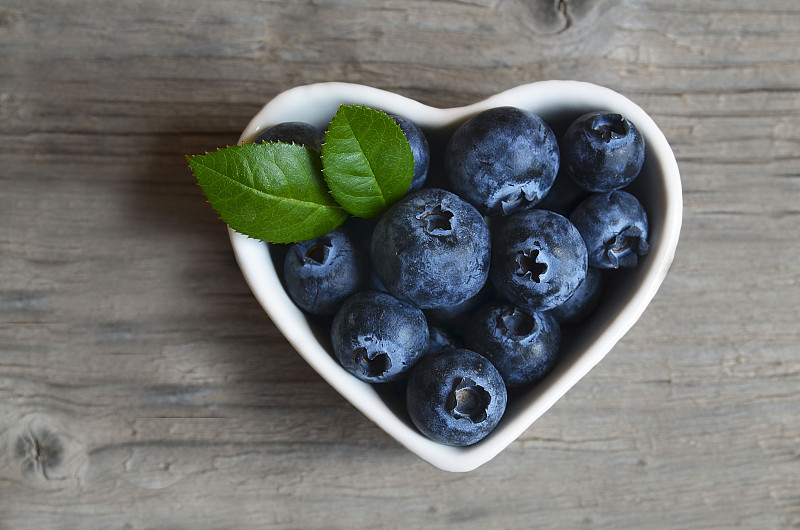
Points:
[[458, 293]]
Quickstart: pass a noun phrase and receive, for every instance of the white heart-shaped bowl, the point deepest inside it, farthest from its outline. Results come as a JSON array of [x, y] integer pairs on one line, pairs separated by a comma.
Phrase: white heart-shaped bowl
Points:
[[658, 187]]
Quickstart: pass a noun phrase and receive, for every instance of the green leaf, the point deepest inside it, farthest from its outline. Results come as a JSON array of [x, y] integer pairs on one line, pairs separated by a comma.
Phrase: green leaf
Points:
[[270, 191], [367, 161]]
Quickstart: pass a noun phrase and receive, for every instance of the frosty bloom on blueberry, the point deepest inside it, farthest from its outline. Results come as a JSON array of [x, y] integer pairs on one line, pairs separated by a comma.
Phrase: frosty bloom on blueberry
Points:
[[614, 227], [522, 345], [432, 249], [377, 337], [455, 397], [583, 302], [321, 273], [538, 259], [602, 151], [440, 340], [502, 161]]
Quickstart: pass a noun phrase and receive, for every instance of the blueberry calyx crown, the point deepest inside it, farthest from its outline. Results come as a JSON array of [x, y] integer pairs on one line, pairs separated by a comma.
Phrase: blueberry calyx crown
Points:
[[517, 323], [528, 266], [372, 364], [437, 221], [516, 201], [623, 248], [468, 401], [610, 127], [318, 253]]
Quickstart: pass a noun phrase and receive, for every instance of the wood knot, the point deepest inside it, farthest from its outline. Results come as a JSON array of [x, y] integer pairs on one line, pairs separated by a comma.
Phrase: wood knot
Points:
[[39, 453], [553, 17]]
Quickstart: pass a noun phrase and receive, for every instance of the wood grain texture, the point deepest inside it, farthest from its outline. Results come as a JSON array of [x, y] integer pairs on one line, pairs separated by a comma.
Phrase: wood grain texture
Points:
[[141, 385]]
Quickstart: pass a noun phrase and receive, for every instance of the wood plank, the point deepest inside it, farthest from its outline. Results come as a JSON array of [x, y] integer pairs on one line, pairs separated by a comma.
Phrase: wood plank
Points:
[[141, 385]]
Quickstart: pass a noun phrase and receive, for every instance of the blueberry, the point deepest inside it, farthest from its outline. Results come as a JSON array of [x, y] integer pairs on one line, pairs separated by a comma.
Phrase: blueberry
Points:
[[583, 302], [375, 283], [456, 313], [294, 132], [502, 161], [360, 230], [431, 248], [563, 197], [522, 345], [602, 151], [455, 397], [419, 148], [377, 337], [440, 340], [538, 259], [614, 227], [321, 273]]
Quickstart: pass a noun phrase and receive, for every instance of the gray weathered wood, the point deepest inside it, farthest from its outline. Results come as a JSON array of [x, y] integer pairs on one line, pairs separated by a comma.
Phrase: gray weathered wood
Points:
[[141, 385]]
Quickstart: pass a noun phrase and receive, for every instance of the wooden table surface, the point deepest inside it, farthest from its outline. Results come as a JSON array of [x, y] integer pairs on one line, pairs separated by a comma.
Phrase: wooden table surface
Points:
[[142, 386]]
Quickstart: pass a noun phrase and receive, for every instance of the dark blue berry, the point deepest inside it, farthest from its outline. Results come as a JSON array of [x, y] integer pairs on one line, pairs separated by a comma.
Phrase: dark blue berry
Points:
[[440, 340], [614, 227], [419, 148], [602, 151], [538, 259], [294, 132], [583, 302], [456, 397], [377, 337], [321, 273], [563, 197], [523, 345], [502, 161], [457, 313], [431, 248]]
